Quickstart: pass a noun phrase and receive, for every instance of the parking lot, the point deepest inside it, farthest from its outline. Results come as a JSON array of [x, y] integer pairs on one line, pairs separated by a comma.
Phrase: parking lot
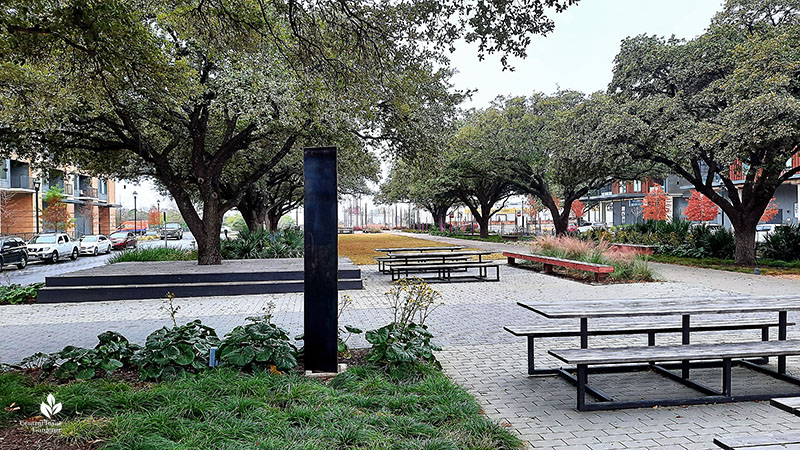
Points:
[[37, 270]]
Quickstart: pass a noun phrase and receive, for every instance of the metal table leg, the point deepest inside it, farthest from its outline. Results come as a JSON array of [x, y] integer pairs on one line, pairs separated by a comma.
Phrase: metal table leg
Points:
[[685, 341], [782, 337]]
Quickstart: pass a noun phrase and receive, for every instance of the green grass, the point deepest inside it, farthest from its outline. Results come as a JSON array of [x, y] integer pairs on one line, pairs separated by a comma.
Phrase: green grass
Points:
[[361, 408], [766, 266], [154, 254]]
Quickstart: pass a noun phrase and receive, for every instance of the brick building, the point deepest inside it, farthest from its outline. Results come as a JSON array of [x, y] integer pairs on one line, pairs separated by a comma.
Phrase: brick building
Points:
[[90, 200]]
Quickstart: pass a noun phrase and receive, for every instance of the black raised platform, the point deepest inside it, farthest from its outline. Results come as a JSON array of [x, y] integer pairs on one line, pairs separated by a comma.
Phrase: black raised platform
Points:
[[144, 280]]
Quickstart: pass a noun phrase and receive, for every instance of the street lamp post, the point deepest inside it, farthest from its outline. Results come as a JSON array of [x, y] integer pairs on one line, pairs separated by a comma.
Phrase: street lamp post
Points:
[[36, 184], [135, 224]]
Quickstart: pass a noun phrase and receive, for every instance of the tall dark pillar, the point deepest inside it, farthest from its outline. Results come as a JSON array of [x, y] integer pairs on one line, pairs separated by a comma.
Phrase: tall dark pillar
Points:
[[321, 259]]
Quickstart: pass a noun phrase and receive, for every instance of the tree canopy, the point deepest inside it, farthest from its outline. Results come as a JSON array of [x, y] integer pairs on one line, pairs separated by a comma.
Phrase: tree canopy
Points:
[[721, 110]]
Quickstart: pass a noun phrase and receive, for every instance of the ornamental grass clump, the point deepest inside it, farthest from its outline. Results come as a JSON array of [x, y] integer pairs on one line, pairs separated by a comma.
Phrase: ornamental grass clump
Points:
[[628, 265], [399, 347]]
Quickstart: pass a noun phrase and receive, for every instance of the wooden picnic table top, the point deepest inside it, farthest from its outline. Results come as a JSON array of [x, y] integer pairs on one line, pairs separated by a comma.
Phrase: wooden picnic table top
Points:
[[419, 249], [440, 254], [664, 306]]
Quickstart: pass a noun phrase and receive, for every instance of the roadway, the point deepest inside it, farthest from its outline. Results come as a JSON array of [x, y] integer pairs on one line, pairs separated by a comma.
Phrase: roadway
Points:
[[38, 270]]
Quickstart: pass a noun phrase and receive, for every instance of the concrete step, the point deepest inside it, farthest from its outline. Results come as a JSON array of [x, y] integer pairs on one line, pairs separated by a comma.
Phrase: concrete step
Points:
[[96, 293]]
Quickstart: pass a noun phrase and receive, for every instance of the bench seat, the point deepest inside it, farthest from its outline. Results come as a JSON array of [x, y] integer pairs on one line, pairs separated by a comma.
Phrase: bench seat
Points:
[[790, 404], [601, 271], [384, 261], [624, 355], [533, 332], [445, 269], [764, 441], [583, 358]]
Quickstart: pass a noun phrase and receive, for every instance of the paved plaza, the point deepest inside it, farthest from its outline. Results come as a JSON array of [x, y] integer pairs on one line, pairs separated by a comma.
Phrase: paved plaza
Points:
[[477, 353]]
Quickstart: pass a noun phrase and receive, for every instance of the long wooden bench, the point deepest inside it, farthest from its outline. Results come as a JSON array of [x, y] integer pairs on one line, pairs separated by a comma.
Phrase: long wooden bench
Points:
[[346, 230], [445, 270], [650, 329], [601, 271], [451, 248], [584, 357], [765, 441], [773, 441]]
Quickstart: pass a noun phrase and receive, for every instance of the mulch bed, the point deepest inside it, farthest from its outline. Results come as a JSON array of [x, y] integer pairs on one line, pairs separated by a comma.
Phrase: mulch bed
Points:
[[18, 438]]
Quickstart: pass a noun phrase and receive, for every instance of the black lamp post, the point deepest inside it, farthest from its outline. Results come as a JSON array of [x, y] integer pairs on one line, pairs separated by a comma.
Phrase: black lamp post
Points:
[[135, 222], [36, 184]]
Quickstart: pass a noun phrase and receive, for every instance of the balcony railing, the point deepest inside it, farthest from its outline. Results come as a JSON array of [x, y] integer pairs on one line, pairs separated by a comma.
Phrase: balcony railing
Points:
[[69, 189], [20, 182], [88, 192]]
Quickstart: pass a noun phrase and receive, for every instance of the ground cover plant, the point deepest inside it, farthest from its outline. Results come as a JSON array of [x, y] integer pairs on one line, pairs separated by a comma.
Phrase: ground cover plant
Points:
[[360, 408], [262, 244], [154, 254], [765, 266], [475, 237], [14, 294], [628, 266]]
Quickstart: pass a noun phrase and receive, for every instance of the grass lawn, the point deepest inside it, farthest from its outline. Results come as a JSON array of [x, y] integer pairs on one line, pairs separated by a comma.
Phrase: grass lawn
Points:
[[221, 409], [767, 267], [359, 247]]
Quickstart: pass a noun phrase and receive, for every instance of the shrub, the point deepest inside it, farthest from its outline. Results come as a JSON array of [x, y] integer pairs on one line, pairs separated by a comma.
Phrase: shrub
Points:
[[782, 244], [258, 345], [260, 244], [154, 254], [399, 346], [628, 266], [14, 294], [716, 243], [170, 352]]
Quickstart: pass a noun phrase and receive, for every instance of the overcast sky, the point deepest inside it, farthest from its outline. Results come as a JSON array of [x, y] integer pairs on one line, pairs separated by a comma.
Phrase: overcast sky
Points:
[[578, 55]]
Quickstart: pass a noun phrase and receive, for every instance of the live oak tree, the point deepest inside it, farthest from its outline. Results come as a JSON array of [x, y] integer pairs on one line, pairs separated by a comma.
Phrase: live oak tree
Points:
[[187, 91], [721, 110], [552, 151], [474, 166], [420, 180]]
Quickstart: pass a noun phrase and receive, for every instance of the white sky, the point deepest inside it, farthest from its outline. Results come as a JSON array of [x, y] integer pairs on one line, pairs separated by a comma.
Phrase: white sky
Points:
[[578, 55]]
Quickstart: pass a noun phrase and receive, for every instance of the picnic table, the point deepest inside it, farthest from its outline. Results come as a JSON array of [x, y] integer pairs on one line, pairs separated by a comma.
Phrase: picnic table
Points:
[[674, 357], [419, 249], [443, 263]]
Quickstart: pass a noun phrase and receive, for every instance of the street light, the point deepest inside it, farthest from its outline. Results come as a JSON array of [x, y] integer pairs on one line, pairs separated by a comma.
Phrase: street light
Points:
[[135, 224], [36, 184]]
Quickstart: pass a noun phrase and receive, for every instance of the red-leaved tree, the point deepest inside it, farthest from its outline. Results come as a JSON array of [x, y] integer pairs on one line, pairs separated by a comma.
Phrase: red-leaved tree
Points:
[[771, 211], [700, 208], [577, 208], [153, 217], [654, 205]]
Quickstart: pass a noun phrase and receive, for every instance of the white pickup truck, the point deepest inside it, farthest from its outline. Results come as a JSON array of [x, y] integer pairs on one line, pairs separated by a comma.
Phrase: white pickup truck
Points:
[[51, 247]]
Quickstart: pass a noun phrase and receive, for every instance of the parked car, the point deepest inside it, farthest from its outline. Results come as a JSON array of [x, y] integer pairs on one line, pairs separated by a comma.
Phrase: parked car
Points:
[[13, 251], [585, 228], [123, 239], [172, 230], [51, 247], [95, 244], [762, 230]]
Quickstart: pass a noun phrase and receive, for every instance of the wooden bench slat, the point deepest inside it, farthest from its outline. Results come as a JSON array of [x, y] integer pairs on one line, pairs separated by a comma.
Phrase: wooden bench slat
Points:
[[552, 331], [622, 355], [788, 404], [589, 267], [419, 249], [754, 441], [465, 264]]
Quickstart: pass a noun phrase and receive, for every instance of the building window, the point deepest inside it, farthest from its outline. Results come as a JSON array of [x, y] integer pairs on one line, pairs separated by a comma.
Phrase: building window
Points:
[[103, 184], [623, 187], [622, 214], [637, 186]]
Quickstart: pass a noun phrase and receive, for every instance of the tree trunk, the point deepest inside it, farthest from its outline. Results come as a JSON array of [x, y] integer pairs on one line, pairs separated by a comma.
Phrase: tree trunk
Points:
[[273, 220], [560, 224], [206, 230], [483, 222], [252, 217], [744, 231]]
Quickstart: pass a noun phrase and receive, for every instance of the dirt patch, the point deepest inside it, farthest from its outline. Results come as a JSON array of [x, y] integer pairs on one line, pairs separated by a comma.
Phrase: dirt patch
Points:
[[18, 438]]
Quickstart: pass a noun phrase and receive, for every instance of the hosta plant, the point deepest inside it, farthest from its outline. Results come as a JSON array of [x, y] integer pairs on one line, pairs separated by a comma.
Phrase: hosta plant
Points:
[[258, 345], [171, 352], [111, 353]]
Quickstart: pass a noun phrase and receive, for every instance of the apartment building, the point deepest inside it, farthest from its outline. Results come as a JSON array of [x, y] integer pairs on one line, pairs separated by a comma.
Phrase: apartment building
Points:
[[90, 200], [620, 202]]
